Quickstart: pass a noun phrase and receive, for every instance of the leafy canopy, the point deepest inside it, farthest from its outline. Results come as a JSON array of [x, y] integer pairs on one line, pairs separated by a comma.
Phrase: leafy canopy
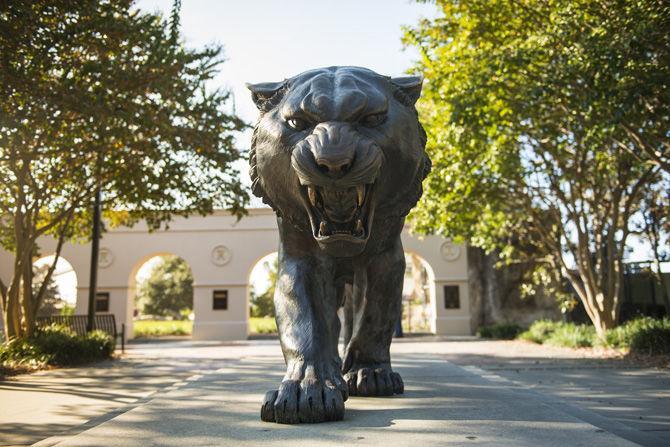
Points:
[[97, 92], [545, 119]]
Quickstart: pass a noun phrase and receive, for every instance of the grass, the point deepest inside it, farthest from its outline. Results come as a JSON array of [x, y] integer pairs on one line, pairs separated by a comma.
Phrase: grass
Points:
[[54, 345], [156, 328], [640, 336], [500, 331], [262, 325]]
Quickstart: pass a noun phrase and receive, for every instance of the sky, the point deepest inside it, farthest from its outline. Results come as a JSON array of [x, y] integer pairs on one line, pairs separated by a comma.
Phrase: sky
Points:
[[271, 40]]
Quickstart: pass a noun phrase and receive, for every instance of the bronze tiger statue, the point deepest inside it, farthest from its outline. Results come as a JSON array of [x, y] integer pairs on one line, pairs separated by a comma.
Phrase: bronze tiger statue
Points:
[[339, 154]]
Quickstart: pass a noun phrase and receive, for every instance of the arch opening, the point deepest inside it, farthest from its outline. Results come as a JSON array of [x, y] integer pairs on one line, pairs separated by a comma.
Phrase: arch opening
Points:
[[418, 295], [61, 293], [161, 297], [260, 296]]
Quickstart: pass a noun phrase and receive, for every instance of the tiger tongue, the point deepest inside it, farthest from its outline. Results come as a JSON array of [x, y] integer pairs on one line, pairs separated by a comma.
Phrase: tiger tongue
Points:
[[339, 205]]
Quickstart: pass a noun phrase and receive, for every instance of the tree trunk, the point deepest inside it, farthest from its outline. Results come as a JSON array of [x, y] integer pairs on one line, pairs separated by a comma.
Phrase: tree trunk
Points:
[[601, 306], [12, 316], [27, 301]]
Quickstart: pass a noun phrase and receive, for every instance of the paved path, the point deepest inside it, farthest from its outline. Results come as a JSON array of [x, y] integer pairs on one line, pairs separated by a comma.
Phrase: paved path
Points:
[[36, 406], [620, 391], [457, 393]]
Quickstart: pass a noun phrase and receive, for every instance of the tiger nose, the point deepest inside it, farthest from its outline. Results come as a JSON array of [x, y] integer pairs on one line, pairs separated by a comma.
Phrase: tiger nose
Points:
[[334, 168], [333, 146]]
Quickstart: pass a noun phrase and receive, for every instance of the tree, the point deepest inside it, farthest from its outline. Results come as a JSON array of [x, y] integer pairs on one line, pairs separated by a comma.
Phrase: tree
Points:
[[653, 226], [528, 106], [263, 305], [50, 302], [168, 291], [95, 91]]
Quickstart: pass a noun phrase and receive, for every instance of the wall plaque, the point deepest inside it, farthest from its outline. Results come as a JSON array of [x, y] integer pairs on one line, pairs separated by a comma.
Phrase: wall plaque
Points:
[[450, 252], [221, 255], [105, 258]]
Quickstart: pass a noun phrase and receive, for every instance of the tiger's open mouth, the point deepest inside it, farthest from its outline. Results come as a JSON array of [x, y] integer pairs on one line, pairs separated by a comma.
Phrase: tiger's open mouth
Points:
[[339, 214], [336, 169]]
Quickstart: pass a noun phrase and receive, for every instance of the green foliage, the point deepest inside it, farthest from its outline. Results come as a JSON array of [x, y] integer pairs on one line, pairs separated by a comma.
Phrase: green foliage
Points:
[[96, 91], [642, 336], [652, 341], [566, 335], [501, 331], [545, 120], [174, 20], [168, 291], [67, 310], [150, 328], [539, 331], [50, 302], [263, 305], [569, 335], [262, 325], [55, 346]]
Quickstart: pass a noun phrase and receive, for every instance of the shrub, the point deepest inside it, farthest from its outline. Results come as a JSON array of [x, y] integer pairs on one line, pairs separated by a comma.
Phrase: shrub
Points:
[[624, 335], [652, 341], [539, 331], [644, 335], [557, 333], [21, 353], [502, 331], [55, 345], [571, 335]]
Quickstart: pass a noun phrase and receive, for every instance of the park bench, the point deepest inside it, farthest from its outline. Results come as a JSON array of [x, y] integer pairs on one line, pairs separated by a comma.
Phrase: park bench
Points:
[[77, 323]]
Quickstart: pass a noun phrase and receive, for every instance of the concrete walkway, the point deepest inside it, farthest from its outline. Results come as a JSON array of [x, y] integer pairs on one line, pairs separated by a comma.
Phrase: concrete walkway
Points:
[[457, 393]]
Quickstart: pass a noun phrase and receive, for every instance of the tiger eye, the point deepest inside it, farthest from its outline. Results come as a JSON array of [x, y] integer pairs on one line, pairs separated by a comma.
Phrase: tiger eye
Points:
[[297, 124]]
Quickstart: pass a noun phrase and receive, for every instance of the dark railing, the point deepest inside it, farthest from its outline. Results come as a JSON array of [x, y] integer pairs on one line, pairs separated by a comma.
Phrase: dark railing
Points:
[[77, 323], [642, 294]]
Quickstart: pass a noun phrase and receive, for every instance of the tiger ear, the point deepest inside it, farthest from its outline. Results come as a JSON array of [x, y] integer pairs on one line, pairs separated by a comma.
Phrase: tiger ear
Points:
[[262, 93], [410, 86]]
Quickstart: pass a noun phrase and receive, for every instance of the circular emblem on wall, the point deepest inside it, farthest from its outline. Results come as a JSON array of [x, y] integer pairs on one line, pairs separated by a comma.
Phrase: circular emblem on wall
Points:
[[450, 251], [221, 255], [105, 258]]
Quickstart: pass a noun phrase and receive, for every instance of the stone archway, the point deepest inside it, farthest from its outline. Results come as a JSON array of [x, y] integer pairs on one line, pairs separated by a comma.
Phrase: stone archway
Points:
[[221, 252]]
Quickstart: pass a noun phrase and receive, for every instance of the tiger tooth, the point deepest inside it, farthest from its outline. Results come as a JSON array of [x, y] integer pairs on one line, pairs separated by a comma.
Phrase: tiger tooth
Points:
[[322, 229], [359, 226], [360, 193], [312, 196]]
